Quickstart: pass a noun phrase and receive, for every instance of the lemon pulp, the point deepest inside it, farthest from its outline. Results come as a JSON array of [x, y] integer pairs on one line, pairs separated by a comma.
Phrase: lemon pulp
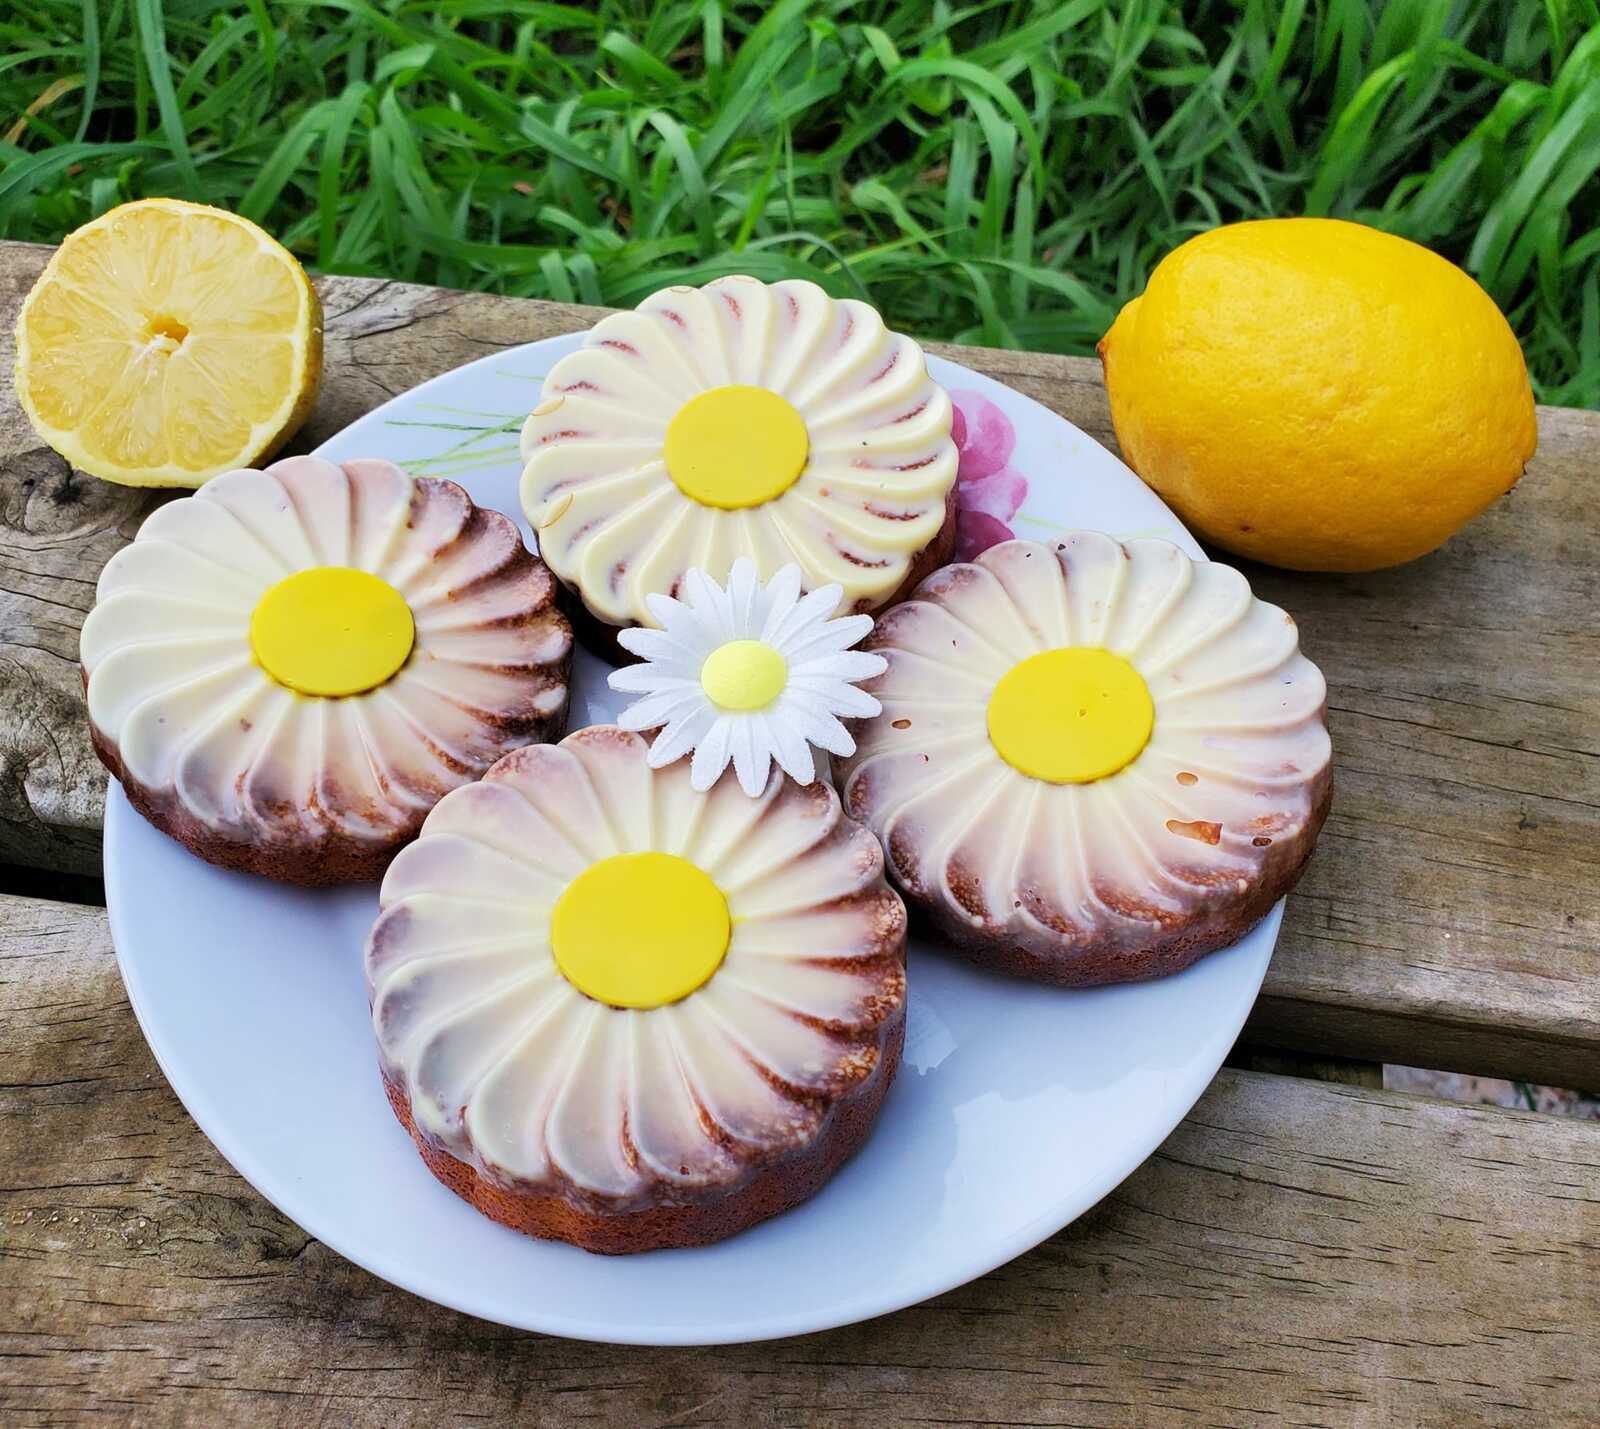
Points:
[[166, 342]]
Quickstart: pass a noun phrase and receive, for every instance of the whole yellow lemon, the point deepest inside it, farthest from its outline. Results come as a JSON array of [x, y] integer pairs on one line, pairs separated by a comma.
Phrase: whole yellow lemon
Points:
[[1318, 395]]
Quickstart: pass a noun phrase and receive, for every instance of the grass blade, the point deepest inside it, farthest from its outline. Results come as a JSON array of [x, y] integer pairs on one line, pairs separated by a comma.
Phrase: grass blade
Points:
[[153, 46]]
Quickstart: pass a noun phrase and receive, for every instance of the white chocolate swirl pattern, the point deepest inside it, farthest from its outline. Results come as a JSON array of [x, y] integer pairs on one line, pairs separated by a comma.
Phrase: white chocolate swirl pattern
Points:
[[252, 774], [872, 495], [1130, 875], [511, 1069]]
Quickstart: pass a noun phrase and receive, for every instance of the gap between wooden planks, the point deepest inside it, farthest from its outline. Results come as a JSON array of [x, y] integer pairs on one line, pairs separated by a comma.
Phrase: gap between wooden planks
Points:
[[1449, 918], [1297, 1252]]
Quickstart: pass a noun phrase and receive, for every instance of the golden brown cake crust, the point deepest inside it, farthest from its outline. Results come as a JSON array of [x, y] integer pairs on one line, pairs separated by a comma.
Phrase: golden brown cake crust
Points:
[[1171, 952], [336, 859], [772, 1186]]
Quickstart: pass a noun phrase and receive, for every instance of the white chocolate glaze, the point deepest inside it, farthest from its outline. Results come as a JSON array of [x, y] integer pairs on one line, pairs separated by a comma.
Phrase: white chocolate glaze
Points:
[[174, 689], [871, 497], [1232, 771], [510, 1068]]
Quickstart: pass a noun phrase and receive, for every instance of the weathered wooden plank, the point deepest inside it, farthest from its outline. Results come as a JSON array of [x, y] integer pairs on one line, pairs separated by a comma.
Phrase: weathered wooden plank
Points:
[[1297, 1252], [1448, 919]]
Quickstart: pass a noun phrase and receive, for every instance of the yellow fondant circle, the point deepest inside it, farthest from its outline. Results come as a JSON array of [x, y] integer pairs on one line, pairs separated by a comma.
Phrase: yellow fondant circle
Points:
[[737, 446], [332, 631], [1071, 716], [640, 929], [743, 675]]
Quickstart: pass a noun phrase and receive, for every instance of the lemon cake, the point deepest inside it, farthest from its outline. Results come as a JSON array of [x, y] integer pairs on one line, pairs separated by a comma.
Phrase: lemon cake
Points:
[[739, 419], [1095, 761], [617, 1011], [287, 669]]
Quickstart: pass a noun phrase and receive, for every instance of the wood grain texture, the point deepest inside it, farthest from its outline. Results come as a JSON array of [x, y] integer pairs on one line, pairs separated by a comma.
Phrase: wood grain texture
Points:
[[1297, 1253], [1449, 918]]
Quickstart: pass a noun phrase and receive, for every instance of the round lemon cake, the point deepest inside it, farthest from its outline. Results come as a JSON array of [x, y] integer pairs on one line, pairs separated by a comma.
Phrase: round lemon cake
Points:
[[739, 419], [287, 669], [1095, 761], [616, 1011]]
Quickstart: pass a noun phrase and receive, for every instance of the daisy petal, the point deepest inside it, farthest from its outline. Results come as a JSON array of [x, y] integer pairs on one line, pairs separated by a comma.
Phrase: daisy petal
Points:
[[847, 666], [664, 610], [836, 696], [659, 709], [656, 646], [816, 721], [744, 596], [711, 754], [750, 763], [842, 631], [814, 607], [832, 638], [836, 739], [790, 749], [783, 590], [680, 736], [840, 698], [644, 679], [708, 611]]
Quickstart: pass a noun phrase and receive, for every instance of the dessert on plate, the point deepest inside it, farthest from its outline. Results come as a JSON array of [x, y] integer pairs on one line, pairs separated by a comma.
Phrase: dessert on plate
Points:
[[289, 668], [739, 419], [616, 1011], [1095, 761]]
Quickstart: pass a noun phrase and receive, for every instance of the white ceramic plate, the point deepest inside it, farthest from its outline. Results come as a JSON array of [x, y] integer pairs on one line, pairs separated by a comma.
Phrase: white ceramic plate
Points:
[[1016, 1108]]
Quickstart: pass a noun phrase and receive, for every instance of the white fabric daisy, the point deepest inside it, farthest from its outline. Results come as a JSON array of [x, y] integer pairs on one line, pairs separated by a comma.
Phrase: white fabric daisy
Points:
[[750, 674]]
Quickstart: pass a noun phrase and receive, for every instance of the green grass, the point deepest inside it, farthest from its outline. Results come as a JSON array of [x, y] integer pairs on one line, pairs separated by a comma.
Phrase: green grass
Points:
[[994, 173]]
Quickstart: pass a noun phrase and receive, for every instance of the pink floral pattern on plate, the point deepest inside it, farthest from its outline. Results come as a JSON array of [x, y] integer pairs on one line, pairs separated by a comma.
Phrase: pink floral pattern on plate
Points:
[[988, 491]]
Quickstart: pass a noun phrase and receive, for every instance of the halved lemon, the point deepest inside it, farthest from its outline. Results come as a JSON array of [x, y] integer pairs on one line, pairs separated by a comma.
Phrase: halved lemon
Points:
[[167, 342]]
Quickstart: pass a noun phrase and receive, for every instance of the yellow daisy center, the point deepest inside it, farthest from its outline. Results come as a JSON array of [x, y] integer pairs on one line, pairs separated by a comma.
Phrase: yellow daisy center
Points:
[[743, 675], [640, 929], [332, 631], [736, 446], [1071, 716]]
